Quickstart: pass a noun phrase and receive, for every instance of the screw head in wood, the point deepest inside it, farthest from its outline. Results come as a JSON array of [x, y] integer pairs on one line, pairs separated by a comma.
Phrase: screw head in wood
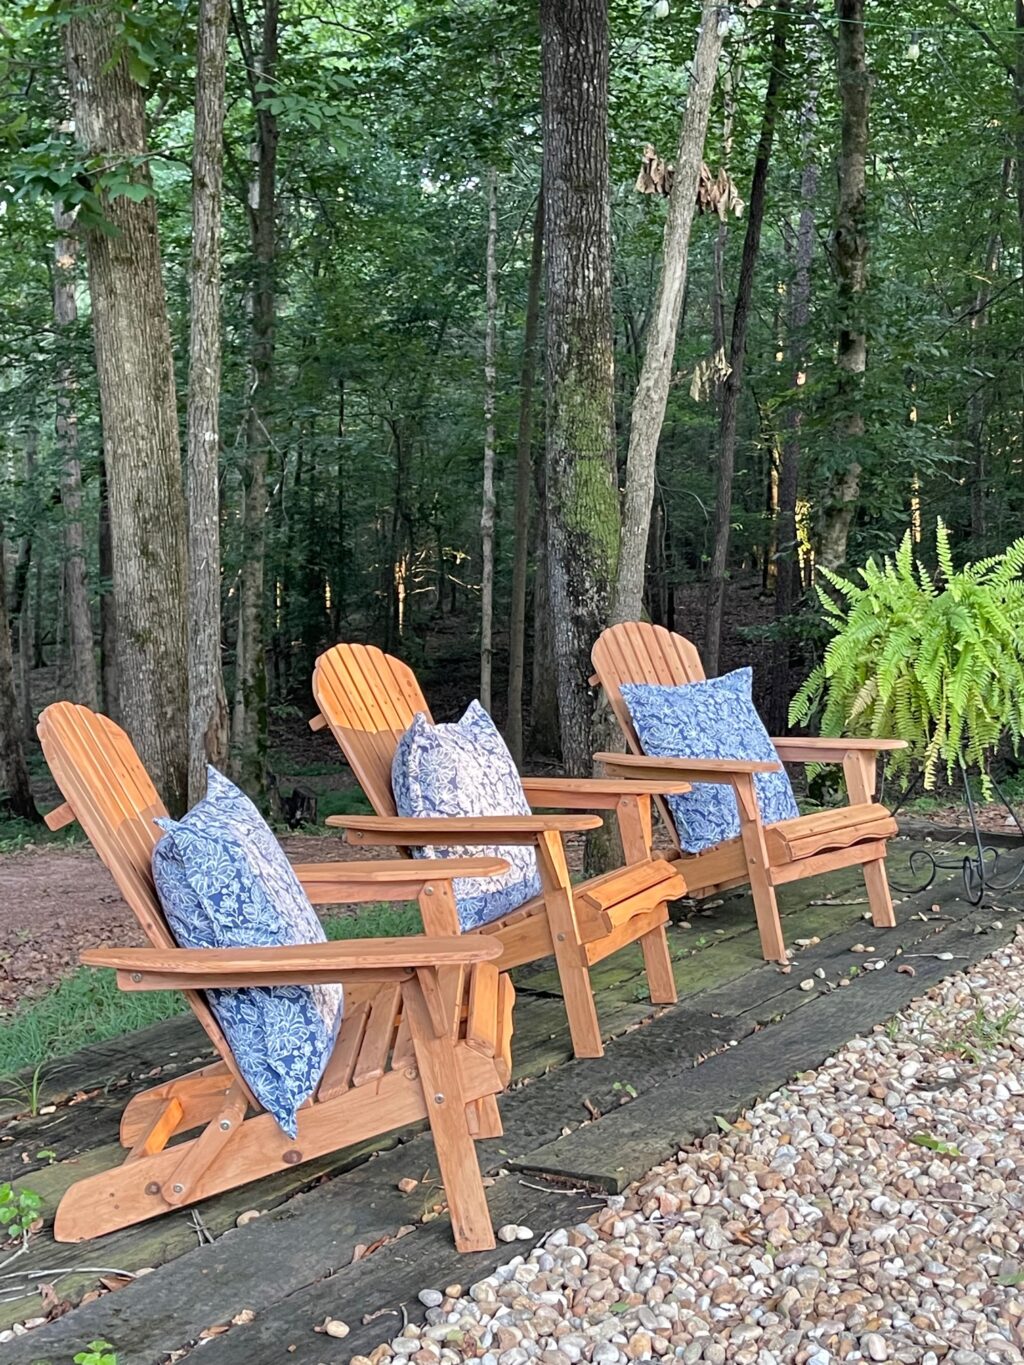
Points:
[[292, 1157], [136, 976], [152, 1187], [428, 890], [177, 1188], [439, 1098], [411, 1073], [225, 1124]]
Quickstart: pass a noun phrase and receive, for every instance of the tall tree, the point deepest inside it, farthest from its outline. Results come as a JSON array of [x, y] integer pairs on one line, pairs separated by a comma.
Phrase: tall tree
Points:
[[656, 373], [15, 788], [582, 501], [82, 655], [738, 344], [135, 370], [524, 482], [249, 718], [850, 249], [208, 712], [786, 552], [487, 504]]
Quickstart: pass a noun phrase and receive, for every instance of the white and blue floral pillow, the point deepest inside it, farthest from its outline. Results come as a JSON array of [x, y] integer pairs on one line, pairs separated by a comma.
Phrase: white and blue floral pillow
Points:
[[466, 769], [224, 882], [713, 719]]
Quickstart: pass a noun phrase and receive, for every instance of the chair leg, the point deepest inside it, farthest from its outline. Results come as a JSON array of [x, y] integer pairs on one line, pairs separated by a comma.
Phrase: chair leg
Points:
[[883, 916], [485, 1117], [658, 962], [570, 957], [446, 1112], [766, 907], [769, 926]]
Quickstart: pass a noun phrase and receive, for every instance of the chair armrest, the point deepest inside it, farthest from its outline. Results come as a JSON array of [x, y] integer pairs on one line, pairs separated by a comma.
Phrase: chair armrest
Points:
[[391, 879], [367, 959], [687, 769], [822, 749], [593, 793], [458, 829]]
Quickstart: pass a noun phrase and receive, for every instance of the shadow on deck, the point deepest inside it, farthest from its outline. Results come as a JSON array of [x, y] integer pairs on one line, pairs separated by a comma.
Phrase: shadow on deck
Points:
[[742, 1028]]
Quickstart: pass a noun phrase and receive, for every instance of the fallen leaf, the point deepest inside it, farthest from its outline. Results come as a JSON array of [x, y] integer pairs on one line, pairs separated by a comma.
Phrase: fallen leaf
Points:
[[217, 1330], [114, 1282], [407, 1185], [906, 969], [53, 1305], [245, 1316]]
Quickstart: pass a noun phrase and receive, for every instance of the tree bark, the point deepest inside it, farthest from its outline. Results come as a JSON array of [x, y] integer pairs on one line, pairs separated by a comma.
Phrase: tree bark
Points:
[[582, 500], [135, 369], [787, 558], [544, 733], [249, 719], [208, 709], [15, 789], [850, 246], [524, 481], [738, 345], [82, 677], [487, 504], [109, 683], [656, 373]]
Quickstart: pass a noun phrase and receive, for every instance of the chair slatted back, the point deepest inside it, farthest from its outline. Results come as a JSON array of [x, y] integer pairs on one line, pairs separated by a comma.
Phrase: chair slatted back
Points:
[[638, 652], [112, 797], [368, 699]]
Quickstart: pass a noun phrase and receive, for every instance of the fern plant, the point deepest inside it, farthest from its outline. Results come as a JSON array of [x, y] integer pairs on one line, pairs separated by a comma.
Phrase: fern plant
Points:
[[938, 661]]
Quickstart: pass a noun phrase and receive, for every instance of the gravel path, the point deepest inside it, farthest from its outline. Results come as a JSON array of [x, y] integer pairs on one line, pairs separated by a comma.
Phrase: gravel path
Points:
[[872, 1211]]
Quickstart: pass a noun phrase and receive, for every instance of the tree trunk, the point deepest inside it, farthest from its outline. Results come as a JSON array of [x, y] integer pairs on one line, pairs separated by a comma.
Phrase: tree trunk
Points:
[[82, 677], [15, 788], [22, 617], [738, 346], [787, 558], [524, 480], [208, 708], [544, 732], [976, 400], [487, 505], [249, 721], [656, 374], [340, 557], [850, 246], [109, 683], [582, 501], [135, 369]]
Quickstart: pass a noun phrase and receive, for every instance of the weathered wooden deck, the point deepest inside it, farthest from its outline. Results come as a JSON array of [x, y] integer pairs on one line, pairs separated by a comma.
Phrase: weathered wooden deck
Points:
[[740, 1030]]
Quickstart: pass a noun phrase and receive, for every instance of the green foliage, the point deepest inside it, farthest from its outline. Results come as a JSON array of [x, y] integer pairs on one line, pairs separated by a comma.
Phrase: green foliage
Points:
[[96, 1353], [937, 662], [87, 1007], [19, 1209]]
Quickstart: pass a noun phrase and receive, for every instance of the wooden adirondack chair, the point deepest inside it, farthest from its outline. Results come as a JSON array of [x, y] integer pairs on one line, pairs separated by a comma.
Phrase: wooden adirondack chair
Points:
[[426, 1030], [368, 698], [766, 856]]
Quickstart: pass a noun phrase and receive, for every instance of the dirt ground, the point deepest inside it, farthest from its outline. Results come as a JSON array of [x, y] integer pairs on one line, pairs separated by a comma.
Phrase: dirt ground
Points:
[[55, 901]]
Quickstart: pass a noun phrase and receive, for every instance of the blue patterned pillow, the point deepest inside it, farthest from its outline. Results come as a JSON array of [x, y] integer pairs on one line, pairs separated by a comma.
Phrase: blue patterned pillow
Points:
[[224, 882], [466, 769], [713, 719]]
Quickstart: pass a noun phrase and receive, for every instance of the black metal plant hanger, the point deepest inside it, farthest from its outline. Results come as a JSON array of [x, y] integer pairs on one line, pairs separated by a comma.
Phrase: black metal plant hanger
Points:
[[981, 867]]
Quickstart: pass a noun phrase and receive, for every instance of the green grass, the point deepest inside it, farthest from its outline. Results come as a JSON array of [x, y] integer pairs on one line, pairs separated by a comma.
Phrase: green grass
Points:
[[16, 834], [84, 1008], [351, 801], [88, 1008]]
